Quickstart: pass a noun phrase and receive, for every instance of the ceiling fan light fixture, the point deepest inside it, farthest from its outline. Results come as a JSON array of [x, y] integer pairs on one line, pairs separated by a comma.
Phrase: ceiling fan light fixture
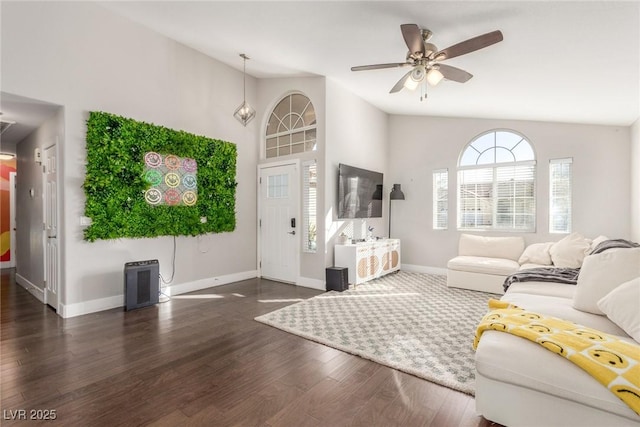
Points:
[[434, 76], [416, 77]]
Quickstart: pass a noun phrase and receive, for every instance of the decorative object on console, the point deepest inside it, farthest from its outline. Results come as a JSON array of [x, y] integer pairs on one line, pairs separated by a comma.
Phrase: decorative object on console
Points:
[[244, 113], [396, 194]]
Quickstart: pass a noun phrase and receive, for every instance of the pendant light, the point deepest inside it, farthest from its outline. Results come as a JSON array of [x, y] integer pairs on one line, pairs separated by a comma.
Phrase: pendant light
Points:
[[244, 113]]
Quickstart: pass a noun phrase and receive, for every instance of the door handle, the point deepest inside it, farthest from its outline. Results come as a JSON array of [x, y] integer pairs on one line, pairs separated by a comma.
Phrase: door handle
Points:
[[292, 232], [51, 237]]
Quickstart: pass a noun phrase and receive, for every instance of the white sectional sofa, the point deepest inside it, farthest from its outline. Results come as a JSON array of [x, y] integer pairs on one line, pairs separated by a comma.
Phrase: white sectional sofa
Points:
[[483, 263], [520, 383]]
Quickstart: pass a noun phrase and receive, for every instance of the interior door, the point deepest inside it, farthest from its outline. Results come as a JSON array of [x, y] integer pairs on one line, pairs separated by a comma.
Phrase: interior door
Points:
[[51, 227], [279, 225], [12, 219]]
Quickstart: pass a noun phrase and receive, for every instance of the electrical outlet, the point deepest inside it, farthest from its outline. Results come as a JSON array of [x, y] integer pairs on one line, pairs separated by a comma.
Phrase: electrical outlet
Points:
[[85, 220]]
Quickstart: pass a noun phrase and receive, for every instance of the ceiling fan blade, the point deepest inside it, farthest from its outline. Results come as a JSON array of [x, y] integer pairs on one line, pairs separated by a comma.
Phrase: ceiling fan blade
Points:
[[453, 73], [380, 66], [469, 46], [398, 87], [413, 38]]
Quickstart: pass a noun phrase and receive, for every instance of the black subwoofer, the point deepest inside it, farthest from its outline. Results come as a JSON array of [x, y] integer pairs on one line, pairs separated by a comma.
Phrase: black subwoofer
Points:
[[337, 278], [141, 284]]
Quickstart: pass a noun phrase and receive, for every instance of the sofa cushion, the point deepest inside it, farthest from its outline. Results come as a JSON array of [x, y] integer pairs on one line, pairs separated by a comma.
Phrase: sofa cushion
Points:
[[621, 307], [514, 360], [562, 308], [603, 272], [491, 247], [537, 253], [570, 251], [478, 264], [543, 288], [529, 266]]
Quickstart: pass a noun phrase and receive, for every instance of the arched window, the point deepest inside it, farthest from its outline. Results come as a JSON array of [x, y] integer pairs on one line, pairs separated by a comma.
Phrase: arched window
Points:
[[291, 128], [497, 183]]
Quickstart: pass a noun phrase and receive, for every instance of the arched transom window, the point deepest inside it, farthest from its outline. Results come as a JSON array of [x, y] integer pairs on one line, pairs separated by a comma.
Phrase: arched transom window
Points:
[[496, 183], [291, 128]]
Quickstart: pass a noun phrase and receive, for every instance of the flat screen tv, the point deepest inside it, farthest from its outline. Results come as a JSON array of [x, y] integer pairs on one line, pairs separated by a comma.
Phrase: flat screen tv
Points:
[[359, 193]]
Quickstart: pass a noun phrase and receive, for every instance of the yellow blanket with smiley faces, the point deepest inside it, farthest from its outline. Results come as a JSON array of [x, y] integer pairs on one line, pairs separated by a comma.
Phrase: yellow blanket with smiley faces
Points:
[[613, 362]]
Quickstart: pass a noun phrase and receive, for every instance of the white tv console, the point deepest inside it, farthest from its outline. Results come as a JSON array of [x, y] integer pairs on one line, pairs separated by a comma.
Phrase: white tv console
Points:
[[368, 260]]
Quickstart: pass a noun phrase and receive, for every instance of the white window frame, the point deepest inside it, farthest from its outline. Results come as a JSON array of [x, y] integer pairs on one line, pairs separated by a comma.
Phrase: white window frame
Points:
[[441, 199], [292, 135], [560, 196], [487, 215]]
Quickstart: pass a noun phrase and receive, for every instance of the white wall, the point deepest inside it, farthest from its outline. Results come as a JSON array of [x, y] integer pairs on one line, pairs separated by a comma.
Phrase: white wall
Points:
[[357, 134], [270, 92], [29, 208], [635, 181], [418, 145], [83, 57]]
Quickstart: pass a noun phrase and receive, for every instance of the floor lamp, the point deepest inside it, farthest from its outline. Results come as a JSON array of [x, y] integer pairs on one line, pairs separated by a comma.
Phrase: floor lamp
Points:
[[396, 194]]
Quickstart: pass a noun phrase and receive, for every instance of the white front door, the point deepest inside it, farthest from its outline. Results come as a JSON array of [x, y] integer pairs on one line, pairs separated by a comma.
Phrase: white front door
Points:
[[279, 223], [51, 227]]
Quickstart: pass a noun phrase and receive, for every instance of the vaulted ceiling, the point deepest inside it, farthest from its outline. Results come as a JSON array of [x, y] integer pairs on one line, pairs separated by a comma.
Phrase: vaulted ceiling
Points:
[[560, 61]]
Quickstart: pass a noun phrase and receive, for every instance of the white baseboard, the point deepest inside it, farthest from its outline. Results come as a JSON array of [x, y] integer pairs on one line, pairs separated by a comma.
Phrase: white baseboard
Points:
[[91, 306], [30, 287], [101, 304], [183, 288], [424, 269], [308, 282]]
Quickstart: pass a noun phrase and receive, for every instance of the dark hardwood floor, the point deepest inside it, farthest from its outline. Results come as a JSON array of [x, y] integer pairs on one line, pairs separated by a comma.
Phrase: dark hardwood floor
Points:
[[200, 359]]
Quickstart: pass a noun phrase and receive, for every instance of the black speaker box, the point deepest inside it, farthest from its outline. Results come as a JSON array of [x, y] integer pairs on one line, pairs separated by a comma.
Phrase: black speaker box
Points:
[[141, 284], [337, 278]]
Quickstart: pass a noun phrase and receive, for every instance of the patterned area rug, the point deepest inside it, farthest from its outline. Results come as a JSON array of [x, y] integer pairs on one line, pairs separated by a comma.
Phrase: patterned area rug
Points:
[[408, 321]]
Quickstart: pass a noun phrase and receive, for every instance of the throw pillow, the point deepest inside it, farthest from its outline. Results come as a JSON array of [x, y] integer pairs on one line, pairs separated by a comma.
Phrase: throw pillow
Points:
[[621, 307], [536, 253], [570, 251], [597, 241], [602, 273]]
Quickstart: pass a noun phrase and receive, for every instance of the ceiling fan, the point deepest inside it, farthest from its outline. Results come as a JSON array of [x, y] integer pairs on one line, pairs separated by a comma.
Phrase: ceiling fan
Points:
[[425, 58]]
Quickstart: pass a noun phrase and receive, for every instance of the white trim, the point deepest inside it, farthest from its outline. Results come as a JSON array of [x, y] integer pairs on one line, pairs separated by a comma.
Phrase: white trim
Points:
[[101, 304], [424, 269], [30, 287], [183, 288], [91, 306], [307, 282]]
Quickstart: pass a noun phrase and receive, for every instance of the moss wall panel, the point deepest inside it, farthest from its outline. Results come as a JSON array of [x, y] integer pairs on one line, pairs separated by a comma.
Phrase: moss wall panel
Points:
[[115, 183]]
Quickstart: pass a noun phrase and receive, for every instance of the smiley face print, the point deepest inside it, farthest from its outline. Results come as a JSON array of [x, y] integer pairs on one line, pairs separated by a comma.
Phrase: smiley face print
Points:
[[172, 179]]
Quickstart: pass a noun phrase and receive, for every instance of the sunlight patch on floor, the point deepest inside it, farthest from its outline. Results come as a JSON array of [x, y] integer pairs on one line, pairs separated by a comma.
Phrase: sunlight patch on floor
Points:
[[201, 296]]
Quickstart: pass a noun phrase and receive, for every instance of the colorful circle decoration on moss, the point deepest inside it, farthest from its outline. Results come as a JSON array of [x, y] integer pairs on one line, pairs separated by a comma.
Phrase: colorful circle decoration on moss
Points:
[[172, 179], [172, 197], [153, 196], [189, 165], [189, 181], [189, 198], [172, 162], [153, 159], [153, 176]]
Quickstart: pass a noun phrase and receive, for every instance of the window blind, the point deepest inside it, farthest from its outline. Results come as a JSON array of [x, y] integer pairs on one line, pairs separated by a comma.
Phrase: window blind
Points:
[[309, 197], [560, 177], [497, 198], [441, 199]]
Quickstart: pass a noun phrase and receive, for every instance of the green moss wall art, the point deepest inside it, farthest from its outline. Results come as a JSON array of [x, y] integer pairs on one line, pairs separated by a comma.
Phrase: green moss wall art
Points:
[[144, 180]]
